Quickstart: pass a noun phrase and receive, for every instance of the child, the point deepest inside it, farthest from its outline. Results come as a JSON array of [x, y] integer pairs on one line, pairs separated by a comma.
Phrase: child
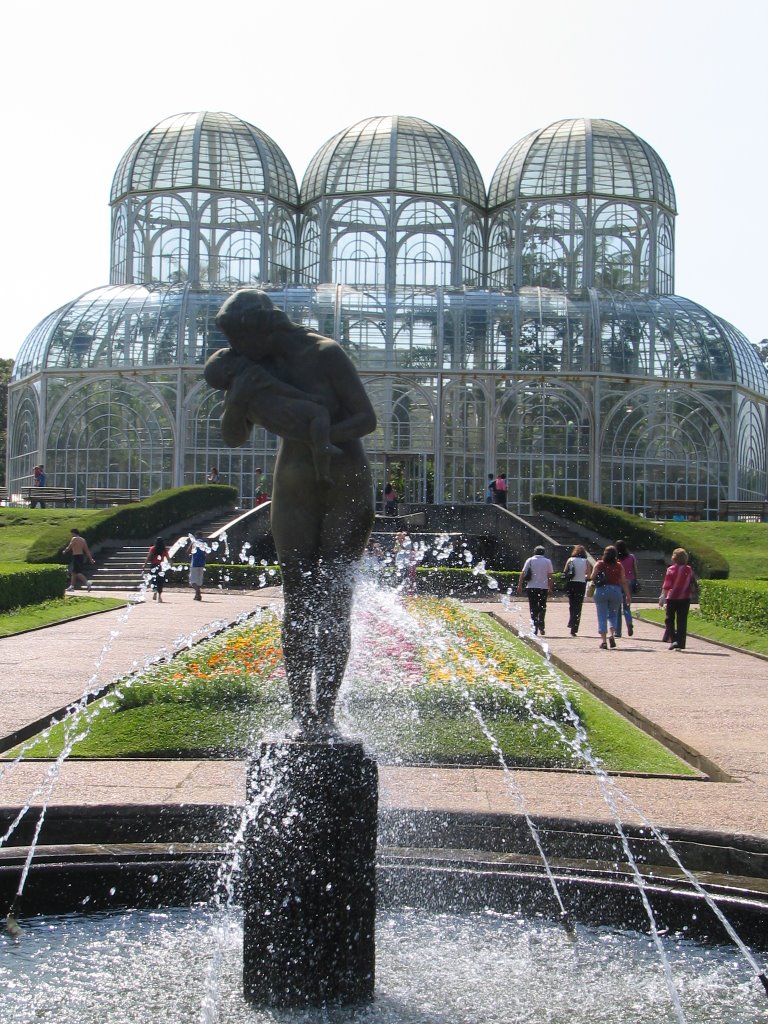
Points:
[[255, 396]]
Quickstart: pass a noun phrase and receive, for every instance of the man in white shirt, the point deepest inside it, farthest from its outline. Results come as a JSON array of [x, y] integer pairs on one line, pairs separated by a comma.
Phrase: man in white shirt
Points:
[[536, 577]]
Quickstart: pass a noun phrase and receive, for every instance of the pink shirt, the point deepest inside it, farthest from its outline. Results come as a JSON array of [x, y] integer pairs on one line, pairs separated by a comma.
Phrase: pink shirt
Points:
[[677, 582]]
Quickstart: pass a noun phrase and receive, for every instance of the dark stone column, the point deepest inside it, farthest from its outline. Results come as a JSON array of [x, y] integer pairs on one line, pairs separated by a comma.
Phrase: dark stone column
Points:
[[309, 893]]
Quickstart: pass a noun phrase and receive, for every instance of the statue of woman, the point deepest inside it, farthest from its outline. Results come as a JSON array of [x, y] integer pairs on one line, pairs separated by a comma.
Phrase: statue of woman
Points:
[[320, 527]]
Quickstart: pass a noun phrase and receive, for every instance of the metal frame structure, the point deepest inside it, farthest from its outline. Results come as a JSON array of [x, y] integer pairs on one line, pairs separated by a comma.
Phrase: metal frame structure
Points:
[[533, 332]]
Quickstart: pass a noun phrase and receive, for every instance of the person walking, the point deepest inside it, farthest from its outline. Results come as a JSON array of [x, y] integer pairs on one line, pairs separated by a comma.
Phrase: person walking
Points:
[[213, 475], [490, 490], [157, 559], [40, 478], [197, 557], [575, 573], [676, 595], [261, 494], [610, 582], [390, 500], [78, 551], [500, 490], [629, 565], [536, 577]]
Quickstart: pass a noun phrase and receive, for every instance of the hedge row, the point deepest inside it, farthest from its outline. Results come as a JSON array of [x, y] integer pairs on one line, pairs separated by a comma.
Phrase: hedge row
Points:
[[639, 533], [462, 582], [438, 582], [27, 584], [233, 576], [138, 520], [740, 604]]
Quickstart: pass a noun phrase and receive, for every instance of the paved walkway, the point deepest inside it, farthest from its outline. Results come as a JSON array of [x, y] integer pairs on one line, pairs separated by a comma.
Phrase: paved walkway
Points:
[[712, 701]]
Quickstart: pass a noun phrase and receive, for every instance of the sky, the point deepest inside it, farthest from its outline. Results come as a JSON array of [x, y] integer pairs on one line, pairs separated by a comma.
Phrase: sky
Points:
[[80, 81]]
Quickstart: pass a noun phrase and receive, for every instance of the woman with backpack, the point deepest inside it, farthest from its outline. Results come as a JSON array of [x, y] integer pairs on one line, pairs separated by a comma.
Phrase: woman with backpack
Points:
[[575, 573]]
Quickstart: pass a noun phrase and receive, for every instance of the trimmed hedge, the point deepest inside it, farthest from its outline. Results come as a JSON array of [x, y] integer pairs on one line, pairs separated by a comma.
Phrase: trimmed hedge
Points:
[[462, 582], [437, 582], [234, 576], [26, 584], [639, 533], [740, 604], [139, 520]]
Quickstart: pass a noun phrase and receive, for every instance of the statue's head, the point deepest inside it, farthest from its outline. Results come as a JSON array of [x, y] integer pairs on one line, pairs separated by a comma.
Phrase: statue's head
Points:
[[220, 368], [248, 314]]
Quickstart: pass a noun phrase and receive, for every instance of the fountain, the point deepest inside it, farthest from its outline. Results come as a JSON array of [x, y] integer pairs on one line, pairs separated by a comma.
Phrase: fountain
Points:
[[468, 924], [471, 907]]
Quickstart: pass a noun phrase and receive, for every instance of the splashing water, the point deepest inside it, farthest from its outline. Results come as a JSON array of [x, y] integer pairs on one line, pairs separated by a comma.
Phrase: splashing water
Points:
[[412, 948]]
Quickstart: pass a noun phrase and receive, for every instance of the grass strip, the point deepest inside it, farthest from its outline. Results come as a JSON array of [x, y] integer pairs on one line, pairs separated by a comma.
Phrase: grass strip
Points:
[[48, 613], [750, 643]]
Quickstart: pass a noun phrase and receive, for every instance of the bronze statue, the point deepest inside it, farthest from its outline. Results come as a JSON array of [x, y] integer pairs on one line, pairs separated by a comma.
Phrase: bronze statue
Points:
[[305, 388]]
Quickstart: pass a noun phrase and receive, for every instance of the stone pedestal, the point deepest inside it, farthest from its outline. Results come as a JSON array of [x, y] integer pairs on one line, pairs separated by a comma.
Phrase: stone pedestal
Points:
[[309, 875]]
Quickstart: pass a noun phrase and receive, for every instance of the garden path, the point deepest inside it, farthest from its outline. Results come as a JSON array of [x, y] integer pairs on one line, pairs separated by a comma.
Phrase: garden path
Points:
[[713, 701]]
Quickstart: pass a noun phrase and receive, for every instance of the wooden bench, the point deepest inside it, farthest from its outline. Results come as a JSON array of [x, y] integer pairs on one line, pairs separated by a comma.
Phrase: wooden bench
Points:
[[752, 511], [111, 495], [48, 495], [665, 508]]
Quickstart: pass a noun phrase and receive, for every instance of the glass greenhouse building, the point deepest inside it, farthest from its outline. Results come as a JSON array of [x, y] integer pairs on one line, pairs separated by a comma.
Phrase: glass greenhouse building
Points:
[[529, 328]]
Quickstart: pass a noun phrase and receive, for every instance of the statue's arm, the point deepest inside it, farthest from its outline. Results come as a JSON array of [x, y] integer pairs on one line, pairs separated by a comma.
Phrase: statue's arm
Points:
[[258, 378], [357, 417]]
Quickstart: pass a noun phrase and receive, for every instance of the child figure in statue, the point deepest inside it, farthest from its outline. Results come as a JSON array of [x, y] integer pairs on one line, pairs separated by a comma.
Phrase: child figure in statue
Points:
[[285, 377], [256, 397]]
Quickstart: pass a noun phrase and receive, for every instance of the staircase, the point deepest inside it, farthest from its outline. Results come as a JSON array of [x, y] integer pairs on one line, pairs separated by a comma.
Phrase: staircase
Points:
[[122, 568]]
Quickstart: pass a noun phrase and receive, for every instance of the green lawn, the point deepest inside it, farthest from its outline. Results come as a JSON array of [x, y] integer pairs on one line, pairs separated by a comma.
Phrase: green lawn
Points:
[[757, 643], [19, 527], [47, 613], [745, 545]]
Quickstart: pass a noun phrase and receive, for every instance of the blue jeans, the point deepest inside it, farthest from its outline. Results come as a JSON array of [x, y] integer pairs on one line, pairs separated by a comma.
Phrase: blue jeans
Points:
[[608, 601]]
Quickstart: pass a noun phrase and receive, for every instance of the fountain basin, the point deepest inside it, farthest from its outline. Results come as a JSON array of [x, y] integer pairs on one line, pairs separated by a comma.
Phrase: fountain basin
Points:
[[171, 856]]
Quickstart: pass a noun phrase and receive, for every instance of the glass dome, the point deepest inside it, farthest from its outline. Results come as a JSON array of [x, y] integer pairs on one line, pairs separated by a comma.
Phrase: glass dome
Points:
[[535, 330], [394, 154], [582, 156], [209, 150], [125, 326]]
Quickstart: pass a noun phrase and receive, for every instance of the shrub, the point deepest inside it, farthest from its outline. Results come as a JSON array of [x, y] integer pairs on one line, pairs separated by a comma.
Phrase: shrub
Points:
[[639, 533], [740, 604], [234, 576], [26, 584], [444, 581], [138, 520]]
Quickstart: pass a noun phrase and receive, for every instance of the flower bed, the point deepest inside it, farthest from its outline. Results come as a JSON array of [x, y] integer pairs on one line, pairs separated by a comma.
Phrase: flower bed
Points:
[[427, 681]]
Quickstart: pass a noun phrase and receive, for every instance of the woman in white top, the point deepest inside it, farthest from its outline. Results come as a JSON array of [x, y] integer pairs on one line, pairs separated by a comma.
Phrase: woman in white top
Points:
[[575, 572], [536, 577]]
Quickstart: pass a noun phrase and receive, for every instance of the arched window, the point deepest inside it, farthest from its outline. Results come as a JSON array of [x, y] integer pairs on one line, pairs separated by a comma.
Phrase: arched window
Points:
[[501, 251], [543, 436], [622, 253], [204, 447], [358, 259], [465, 428], [663, 443], [552, 240], [752, 481], [111, 433], [23, 438]]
